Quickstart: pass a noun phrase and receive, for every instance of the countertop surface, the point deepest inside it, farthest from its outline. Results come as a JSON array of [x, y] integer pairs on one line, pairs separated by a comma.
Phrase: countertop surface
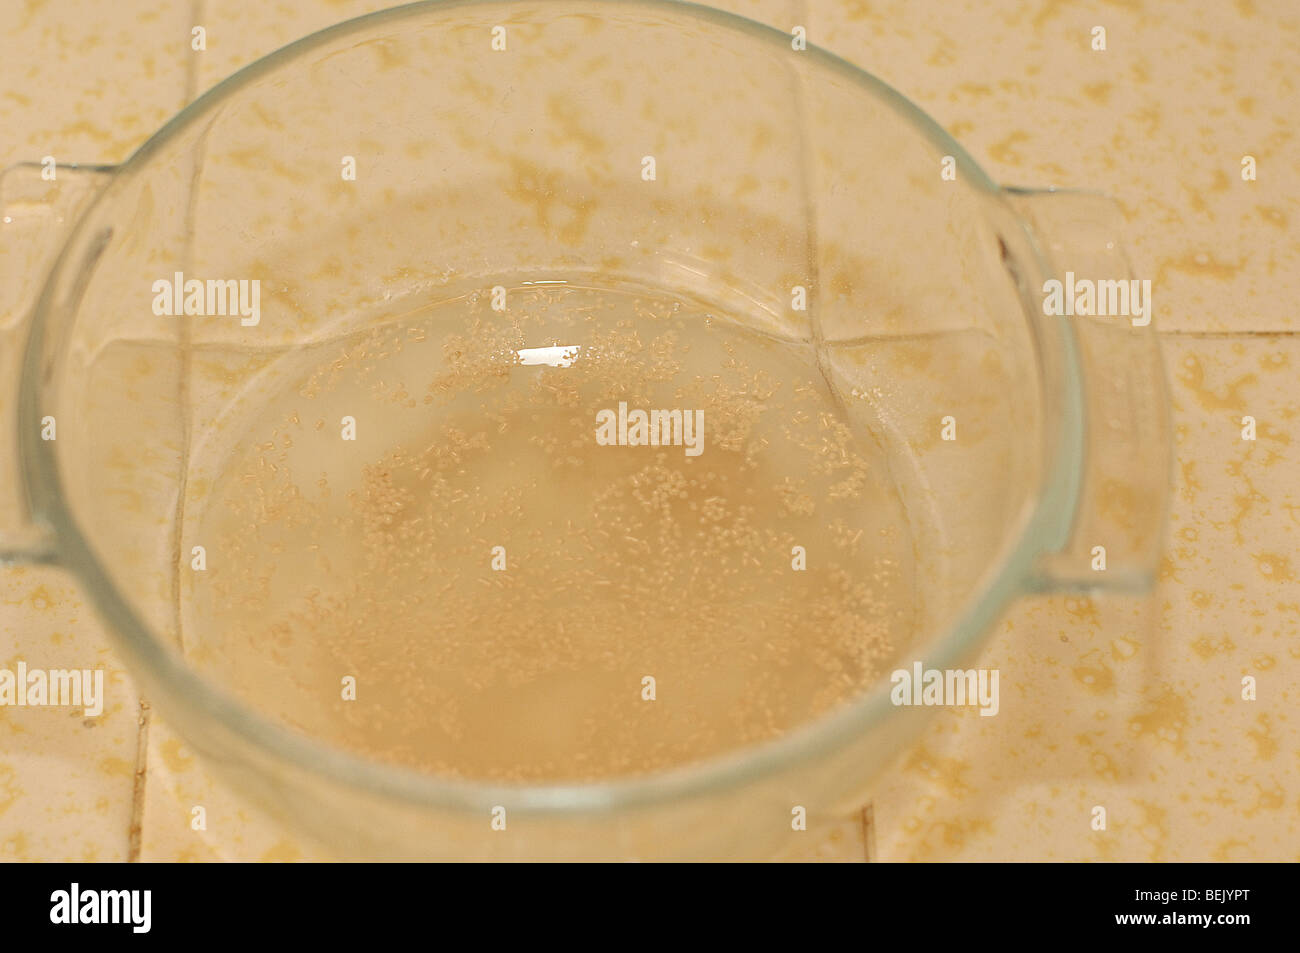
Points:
[[1134, 704]]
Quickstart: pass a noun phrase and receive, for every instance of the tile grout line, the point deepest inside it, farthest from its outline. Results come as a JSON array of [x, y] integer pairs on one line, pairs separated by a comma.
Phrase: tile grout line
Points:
[[135, 834], [799, 11], [869, 833], [192, 69]]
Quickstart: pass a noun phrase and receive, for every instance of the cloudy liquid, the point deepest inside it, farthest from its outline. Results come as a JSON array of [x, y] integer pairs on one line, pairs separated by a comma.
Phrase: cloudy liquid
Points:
[[515, 600]]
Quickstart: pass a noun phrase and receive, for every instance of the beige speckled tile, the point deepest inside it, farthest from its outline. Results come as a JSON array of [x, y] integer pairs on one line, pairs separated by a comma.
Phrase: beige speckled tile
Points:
[[1136, 706], [66, 780], [240, 32], [225, 829], [840, 842], [1160, 120], [87, 81], [83, 81]]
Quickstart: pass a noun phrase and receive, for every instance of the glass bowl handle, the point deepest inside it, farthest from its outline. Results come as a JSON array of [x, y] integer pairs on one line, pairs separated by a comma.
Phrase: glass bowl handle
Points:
[[39, 203], [1121, 495]]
